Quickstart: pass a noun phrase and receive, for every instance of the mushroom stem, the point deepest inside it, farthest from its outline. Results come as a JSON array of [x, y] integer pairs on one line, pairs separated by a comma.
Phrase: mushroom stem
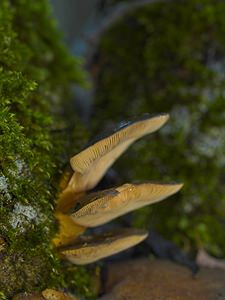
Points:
[[68, 230], [67, 199]]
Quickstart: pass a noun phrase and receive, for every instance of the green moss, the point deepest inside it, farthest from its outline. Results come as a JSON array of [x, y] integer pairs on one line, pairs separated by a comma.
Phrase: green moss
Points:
[[82, 281], [36, 73], [2, 296], [170, 58]]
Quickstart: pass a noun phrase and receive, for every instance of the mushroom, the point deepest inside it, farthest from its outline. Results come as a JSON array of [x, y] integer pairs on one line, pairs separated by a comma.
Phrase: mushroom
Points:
[[50, 294], [99, 208], [76, 209], [47, 294], [92, 248], [91, 164]]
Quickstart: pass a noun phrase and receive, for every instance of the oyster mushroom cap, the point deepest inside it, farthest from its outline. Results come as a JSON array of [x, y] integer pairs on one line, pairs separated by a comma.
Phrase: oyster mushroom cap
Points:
[[101, 207], [90, 249], [91, 164]]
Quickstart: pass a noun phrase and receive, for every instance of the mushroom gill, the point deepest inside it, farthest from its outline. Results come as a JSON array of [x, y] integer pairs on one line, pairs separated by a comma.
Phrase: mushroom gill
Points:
[[90, 249], [104, 207]]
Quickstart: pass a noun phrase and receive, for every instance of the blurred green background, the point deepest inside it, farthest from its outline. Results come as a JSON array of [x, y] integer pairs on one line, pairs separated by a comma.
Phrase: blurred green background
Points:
[[167, 56], [170, 58]]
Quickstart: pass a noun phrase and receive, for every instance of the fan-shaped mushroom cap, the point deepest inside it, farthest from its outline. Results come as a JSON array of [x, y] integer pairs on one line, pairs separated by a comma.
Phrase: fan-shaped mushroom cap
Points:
[[91, 164], [99, 208], [90, 249]]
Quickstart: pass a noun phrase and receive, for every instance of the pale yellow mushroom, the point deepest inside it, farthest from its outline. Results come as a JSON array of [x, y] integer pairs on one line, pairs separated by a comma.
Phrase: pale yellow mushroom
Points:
[[50, 294], [90, 249], [47, 294], [100, 208], [76, 210], [91, 164]]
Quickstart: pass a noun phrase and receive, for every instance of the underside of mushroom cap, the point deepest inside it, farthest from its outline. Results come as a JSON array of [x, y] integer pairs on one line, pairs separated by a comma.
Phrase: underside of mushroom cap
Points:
[[92, 248], [78, 210], [99, 208], [91, 164]]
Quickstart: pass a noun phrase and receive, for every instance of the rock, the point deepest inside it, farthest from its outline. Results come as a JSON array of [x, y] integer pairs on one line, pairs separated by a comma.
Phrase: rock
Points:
[[203, 259], [162, 280]]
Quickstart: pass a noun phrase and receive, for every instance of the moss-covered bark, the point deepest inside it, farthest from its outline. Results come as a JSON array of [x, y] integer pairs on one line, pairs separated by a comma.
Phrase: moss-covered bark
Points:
[[169, 57], [35, 77]]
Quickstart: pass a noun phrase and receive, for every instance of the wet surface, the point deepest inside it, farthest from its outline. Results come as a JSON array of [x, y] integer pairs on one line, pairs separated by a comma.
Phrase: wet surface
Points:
[[162, 280]]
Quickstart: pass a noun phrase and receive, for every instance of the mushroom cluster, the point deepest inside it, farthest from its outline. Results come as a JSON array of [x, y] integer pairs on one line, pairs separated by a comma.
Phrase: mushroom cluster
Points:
[[78, 208]]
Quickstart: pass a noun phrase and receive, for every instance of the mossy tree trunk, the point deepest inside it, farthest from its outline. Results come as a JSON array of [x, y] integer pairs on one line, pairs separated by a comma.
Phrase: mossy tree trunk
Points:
[[36, 73]]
